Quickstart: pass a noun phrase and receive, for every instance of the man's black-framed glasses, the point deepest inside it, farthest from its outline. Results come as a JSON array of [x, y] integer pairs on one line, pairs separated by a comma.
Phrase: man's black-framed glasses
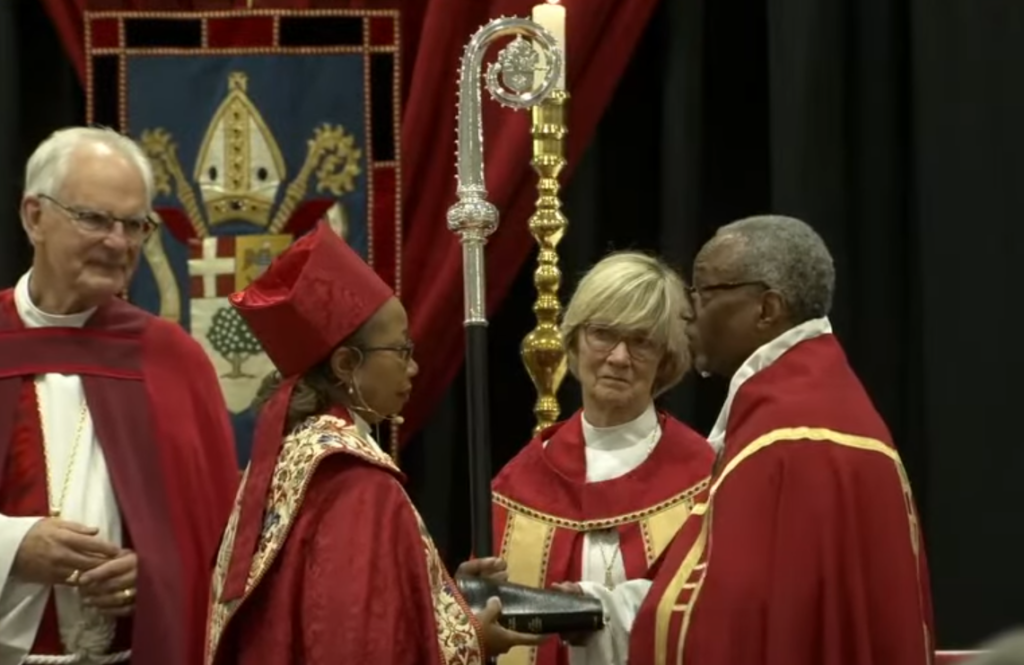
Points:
[[696, 292], [136, 229], [403, 351]]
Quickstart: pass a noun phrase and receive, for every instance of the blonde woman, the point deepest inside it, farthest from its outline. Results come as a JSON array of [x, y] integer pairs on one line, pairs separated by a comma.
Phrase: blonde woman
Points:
[[597, 497]]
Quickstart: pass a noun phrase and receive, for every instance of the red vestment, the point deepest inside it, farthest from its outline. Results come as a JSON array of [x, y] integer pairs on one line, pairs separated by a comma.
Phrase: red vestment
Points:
[[343, 571], [544, 506], [161, 421], [809, 550]]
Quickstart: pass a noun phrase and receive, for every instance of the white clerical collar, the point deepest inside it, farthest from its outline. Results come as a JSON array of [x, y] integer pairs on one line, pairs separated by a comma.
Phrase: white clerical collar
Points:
[[365, 430], [622, 436], [33, 317], [760, 359]]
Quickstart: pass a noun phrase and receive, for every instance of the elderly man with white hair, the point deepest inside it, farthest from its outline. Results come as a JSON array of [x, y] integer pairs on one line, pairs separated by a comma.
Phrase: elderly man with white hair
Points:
[[809, 548], [117, 469]]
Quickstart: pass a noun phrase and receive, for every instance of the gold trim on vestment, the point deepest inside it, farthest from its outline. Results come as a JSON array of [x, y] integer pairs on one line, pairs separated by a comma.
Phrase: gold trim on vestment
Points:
[[526, 549], [667, 604], [659, 529], [807, 434], [526, 535], [605, 523]]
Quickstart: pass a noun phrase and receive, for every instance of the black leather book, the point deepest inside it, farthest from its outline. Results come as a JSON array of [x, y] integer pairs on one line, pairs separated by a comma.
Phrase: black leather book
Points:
[[527, 609]]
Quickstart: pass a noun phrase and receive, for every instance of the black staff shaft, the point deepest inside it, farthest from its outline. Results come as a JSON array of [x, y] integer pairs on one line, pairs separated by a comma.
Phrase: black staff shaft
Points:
[[479, 440]]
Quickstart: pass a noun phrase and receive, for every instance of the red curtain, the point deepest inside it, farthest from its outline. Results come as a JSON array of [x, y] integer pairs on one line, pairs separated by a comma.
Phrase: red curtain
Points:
[[601, 36]]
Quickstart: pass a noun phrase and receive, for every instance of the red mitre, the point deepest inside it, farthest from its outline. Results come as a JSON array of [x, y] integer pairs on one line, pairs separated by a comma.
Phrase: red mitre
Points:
[[311, 298]]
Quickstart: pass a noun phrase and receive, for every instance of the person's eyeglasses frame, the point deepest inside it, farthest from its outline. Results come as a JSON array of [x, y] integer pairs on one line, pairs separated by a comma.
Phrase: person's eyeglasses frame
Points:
[[403, 351], [620, 337], [77, 215], [694, 292]]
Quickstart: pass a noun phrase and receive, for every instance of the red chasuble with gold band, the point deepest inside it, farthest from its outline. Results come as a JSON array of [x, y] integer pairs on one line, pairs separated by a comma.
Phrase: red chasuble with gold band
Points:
[[544, 506], [809, 550], [168, 447], [344, 570]]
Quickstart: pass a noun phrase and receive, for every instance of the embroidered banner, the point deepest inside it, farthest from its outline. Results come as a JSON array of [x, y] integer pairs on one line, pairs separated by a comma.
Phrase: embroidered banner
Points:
[[258, 123]]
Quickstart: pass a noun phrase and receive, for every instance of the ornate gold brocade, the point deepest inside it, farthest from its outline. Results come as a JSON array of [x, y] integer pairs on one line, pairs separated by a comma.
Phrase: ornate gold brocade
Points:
[[301, 453], [458, 632], [220, 612], [682, 593]]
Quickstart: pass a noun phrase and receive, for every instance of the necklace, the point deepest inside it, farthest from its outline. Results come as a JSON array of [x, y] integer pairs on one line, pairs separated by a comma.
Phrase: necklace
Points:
[[648, 442], [652, 440], [57, 506], [609, 580]]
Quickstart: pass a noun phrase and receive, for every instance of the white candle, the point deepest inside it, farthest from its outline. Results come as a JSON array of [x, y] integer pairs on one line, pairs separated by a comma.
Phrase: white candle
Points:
[[551, 16]]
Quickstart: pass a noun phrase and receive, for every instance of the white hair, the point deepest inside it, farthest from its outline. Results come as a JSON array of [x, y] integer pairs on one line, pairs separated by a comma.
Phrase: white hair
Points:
[[788, 256], [48, 166]]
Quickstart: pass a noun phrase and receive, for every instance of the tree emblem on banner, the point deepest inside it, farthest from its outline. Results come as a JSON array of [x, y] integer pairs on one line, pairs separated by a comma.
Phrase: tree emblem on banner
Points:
[[230, 336]]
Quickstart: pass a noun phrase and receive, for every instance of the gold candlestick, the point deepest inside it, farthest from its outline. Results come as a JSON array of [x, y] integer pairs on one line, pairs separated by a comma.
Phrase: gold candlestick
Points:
[[542, 349]]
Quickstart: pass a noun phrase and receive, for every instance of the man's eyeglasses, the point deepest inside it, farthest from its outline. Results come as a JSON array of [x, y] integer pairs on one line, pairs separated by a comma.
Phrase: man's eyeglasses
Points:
[[136, 229], [603, 339], [696, 293], [404, 351]]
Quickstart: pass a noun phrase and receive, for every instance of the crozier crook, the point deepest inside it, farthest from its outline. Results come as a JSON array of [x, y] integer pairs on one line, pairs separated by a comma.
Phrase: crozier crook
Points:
[[512, 81]]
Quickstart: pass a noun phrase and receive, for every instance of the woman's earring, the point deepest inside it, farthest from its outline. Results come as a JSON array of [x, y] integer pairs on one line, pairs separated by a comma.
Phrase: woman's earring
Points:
[[349, 389]]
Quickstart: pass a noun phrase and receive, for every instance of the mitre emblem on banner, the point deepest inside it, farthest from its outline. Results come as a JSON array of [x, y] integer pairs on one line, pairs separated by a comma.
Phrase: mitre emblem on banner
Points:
[[236, 225]]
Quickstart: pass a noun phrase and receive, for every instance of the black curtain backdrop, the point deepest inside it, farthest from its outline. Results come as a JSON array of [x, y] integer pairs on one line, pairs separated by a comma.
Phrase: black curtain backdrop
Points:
[[893, 126], [39, 93]]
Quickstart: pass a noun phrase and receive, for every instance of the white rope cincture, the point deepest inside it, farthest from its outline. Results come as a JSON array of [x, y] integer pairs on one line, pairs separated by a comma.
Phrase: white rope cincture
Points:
[[108, 659]]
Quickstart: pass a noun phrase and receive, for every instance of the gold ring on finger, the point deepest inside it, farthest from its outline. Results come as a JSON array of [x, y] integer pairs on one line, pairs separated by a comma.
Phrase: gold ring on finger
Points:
[[128, 594], [72, 579]]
